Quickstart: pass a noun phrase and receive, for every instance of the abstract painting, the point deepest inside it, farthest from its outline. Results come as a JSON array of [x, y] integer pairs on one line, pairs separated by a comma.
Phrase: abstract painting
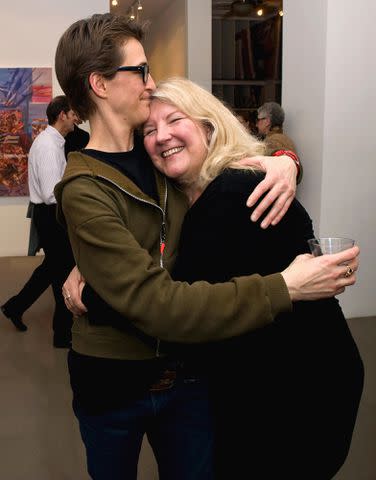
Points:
[[24, 96]]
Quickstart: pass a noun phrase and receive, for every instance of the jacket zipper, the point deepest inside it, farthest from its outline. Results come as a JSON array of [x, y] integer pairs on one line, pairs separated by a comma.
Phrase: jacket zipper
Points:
[[162, 234]]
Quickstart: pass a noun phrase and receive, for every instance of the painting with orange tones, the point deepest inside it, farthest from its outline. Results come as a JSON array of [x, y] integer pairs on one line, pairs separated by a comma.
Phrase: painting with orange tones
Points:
[[24, 96]]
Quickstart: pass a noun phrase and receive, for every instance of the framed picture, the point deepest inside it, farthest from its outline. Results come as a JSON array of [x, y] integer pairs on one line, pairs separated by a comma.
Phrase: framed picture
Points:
[[24, 96]]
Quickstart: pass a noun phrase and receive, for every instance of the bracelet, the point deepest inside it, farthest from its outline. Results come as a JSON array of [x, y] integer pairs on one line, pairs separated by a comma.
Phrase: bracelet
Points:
[[294, 157]]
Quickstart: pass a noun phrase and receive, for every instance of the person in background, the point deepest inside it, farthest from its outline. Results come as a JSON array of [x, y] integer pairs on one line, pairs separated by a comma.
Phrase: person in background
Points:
[[77, 139], [46, 167], [269, 124]]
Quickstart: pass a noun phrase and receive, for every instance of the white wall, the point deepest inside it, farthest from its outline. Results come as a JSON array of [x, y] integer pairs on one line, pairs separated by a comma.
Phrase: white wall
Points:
[[28, 37], [199, 38], [303, 90], [349, 171], [329, 71]]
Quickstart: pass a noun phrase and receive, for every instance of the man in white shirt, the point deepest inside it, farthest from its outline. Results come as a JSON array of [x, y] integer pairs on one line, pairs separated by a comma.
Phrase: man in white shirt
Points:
[[46, 167], [46, 157]]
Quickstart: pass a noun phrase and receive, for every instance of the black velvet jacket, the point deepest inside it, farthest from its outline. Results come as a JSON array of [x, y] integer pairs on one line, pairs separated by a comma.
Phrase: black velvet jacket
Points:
[[293, 387], [218, 240]]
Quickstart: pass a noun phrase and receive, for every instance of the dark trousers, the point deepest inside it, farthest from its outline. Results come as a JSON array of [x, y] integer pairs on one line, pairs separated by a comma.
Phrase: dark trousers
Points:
[[39, 281], [178, 425], [55, 268]]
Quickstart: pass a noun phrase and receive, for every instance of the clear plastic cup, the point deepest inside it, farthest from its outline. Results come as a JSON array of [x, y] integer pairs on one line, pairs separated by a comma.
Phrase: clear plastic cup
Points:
[[327, 245]]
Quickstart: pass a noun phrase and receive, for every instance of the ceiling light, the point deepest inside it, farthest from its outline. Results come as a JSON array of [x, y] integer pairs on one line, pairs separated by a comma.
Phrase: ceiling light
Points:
[[281, 13], [260, 12], [114, 3], [134, 10]]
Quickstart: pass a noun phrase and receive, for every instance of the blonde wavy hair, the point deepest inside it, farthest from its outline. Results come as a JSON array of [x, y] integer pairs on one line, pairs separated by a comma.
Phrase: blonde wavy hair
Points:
[[229, 140]]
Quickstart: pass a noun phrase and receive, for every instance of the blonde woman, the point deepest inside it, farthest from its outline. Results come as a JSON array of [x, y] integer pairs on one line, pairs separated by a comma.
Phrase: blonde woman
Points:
[[284, 397]]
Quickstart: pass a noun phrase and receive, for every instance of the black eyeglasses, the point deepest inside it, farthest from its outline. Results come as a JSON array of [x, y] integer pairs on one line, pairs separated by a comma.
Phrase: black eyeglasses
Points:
[[143, 69]]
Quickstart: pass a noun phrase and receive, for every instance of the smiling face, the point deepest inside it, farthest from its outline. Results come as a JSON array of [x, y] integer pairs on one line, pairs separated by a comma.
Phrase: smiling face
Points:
[[128, 95], [176, 144]]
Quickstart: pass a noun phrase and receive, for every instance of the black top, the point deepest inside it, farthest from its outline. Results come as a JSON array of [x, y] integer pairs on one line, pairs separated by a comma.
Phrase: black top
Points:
[[292, 387], [76, 140], [134, 164], [218, 241]]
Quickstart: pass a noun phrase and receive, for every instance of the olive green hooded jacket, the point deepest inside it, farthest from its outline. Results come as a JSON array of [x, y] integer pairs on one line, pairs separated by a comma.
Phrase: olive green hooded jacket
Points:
[[124, 244]]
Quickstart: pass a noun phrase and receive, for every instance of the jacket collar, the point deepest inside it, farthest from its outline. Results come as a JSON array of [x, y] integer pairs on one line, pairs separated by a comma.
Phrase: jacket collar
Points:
[[84, 165]]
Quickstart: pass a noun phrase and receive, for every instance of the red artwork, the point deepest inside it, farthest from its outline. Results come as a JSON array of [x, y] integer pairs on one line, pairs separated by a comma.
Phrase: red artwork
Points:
[[24, 96]]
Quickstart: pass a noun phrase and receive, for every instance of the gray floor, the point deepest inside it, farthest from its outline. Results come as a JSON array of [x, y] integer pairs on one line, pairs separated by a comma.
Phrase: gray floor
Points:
[[39, 438]]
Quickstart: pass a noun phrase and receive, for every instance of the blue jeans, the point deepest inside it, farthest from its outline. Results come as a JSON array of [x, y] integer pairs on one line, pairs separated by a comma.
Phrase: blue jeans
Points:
[[177, 423]]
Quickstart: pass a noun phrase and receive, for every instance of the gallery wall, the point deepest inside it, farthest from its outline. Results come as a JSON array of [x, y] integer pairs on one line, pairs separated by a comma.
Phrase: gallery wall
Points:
[[199, 38], [28, 37], [329, 97]]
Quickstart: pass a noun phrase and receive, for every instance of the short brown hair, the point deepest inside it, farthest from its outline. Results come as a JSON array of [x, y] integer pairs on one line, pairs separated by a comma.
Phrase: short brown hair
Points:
[[91, 45], [55, 107]]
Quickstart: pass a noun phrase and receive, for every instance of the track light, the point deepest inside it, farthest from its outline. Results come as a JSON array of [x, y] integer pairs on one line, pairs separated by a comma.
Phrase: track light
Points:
[[131, 10]]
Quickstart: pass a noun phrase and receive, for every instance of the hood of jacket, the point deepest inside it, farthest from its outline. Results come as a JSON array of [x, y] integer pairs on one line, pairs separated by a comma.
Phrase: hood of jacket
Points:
[[80, 164]]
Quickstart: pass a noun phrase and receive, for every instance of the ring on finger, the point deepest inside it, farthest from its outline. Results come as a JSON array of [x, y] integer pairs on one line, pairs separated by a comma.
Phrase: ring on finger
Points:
[[349, 271], [67, 296]]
